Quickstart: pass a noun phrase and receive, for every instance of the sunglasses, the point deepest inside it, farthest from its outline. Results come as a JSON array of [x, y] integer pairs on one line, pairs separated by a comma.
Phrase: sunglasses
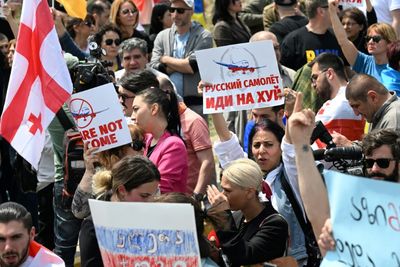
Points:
[[88, 23], [375, 39], [125, 97], [126, 11], [382, 163], [137, 145], [117, 42], [180, 10]]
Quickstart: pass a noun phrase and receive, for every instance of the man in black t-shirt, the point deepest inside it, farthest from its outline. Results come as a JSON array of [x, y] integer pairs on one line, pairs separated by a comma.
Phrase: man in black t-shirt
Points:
[[303, 45], [291, 18]]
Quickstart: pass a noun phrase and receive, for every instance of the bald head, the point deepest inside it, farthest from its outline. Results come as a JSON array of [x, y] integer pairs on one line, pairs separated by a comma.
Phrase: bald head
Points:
[[263, 35]]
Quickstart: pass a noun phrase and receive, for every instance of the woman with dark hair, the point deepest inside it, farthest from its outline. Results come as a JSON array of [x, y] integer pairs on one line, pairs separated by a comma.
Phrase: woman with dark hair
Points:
[[265, 149], [125, 14], [160, 20], [132, 179], [80, 30], [109, 38], [157, 113], [228, 28], [355, 24]]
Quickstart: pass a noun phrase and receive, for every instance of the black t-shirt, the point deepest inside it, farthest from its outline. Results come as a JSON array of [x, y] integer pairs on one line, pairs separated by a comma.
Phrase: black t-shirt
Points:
[[302, 46], [90, 251], [287, 25]]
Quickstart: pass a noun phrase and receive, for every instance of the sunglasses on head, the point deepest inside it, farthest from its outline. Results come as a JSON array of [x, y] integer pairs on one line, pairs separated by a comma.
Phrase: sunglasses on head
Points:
[[180, 10], [127, 10], [376, 38], [137, 145], [111, 41], [382, 163]]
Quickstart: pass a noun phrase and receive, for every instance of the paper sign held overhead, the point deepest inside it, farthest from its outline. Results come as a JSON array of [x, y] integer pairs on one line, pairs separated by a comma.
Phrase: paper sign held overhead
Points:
[[98, 115], [240, 77]]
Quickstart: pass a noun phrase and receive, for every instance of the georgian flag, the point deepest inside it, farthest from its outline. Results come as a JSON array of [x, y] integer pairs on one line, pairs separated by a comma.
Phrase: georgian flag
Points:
[[41, 256], [39, 82]]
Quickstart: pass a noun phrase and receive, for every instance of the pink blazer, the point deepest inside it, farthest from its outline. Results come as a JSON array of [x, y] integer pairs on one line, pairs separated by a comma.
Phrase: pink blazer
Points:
[[170, 157]]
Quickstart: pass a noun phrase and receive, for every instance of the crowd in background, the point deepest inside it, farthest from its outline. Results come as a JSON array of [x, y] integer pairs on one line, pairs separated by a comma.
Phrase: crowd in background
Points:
[[340, 63]]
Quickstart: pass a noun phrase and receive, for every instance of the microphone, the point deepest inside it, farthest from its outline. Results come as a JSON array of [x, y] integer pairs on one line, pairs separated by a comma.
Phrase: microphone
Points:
[[319, 154], [351, 153]]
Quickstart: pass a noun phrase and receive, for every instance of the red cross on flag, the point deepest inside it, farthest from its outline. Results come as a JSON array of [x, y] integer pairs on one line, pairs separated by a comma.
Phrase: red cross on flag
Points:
[[39, 82]]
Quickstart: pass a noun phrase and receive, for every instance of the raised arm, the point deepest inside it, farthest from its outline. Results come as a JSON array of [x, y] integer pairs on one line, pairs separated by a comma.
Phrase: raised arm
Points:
[[348, 48], [312, 188]]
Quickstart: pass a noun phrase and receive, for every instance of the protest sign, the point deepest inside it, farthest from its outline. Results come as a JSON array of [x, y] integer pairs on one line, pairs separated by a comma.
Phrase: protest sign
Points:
[[99, 117], [146, 234], [365, 221], [2, 15], [360, 4], [241, 77]]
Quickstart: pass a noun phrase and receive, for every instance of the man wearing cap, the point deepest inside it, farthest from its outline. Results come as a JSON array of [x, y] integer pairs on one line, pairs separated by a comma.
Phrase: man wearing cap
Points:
[[290, 18], [174, 48]]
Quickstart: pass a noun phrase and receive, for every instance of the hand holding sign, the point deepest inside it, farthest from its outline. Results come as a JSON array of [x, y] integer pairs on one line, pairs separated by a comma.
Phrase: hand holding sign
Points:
[[325, 239]]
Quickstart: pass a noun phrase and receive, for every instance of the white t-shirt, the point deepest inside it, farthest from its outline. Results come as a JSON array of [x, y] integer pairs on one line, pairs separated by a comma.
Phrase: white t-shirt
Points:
[[383, 9]]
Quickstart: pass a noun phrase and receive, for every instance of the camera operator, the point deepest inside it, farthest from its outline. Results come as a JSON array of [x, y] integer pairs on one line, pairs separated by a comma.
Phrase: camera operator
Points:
[[369, 98], [382, 153]]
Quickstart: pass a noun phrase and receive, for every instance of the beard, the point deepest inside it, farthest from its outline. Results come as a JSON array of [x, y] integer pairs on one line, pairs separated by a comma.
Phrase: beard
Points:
[[393, 177], [22, 256], [324, 92]]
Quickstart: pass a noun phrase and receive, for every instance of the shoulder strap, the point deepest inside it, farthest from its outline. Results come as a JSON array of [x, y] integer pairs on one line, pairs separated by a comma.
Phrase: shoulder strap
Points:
[[305, 224], [64, 120]]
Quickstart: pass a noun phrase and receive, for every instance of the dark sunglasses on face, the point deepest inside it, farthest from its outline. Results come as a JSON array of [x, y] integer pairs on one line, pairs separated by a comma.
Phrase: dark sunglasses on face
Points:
[[88, 23], [126, 11], [137, 145], [382, 163], [375, 39], [180, 10], [117, 42], [125, 97]]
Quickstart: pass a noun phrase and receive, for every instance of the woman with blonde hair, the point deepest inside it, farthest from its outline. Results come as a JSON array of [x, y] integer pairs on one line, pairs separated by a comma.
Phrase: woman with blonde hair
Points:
[[125, 14], [255, 233], [132, 179]]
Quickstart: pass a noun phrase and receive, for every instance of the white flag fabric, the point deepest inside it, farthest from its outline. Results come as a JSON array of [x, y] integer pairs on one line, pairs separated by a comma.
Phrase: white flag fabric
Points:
[[39, 82], [41, 256]]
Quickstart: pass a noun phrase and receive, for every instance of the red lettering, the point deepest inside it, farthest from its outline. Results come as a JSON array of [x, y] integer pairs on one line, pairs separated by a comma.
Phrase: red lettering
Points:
[[88, 134], [394, 220], [260, 97], [249, 98], [277, 92], [119, 123], [269, 94], [103, 129], [240, 99], [210, 102]]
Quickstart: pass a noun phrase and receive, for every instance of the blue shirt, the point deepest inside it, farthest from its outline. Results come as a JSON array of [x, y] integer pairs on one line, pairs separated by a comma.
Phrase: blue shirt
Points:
[[389, 77], [179, 52]]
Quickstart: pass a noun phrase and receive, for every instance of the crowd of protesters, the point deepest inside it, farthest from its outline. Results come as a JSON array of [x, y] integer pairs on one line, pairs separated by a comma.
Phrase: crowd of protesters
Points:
[[338, 64]]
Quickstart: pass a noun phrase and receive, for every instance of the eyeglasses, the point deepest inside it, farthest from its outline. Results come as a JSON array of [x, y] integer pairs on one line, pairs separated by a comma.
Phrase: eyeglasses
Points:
[[315, 76], [180, 10], [137, 145], [88, 23], [125, 97], [117, 42], [127, 10], [375, 39], [382, 163]]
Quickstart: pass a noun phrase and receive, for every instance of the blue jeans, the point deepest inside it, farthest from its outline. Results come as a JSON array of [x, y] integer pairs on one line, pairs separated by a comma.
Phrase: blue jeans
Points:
[[66, 228]]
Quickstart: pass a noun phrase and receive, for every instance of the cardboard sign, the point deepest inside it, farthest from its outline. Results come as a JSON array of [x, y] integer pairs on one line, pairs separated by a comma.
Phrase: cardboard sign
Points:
[[146, 234], [242, 76], [365, 220], [99, 117], [360, 4]]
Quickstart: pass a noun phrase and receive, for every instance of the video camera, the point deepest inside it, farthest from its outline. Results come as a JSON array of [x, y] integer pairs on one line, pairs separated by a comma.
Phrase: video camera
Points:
[[345, 159], [92, 72]]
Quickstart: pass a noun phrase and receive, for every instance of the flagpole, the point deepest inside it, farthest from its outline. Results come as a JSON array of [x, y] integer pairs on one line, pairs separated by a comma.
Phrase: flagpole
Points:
[[52, 3]]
